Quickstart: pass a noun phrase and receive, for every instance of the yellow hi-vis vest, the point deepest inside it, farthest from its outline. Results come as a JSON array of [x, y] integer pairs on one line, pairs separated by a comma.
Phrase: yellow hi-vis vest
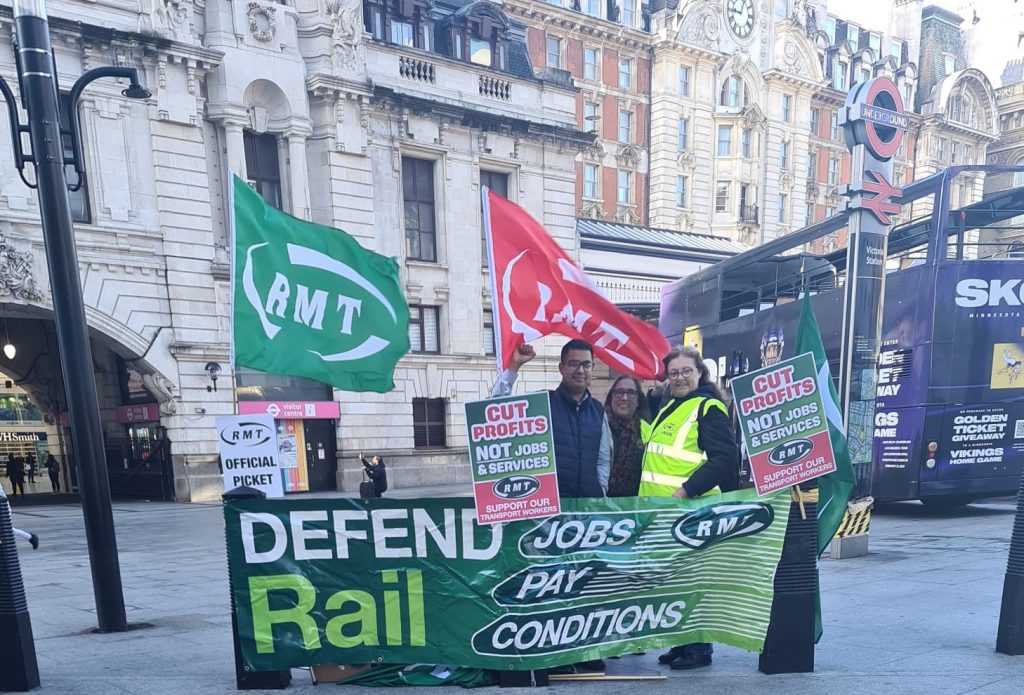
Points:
[[671, 453]]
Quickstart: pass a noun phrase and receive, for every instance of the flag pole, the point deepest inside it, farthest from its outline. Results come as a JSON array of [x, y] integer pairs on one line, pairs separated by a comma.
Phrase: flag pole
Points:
[[495, 312], [232, 261]]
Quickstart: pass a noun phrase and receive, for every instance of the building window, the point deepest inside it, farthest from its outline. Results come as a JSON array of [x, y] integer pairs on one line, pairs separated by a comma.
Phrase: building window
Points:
[[420, 221], [625, 72], [402, 33], [80, 199], [787, 108], [961, 110], [812, 166], [590, 117], [896, 50], [683, 140], [735, 92], [724, 140], [782, 207], [681, 191], [590, 175], [474, 36], [428, 422], [784, 155], [830, 212], [833, 126], [949, 63], [554, 52], [833, 171], [748, 213], [746, 137], [625, 126], [954, 151], [815, 119], [839, 76], [406, 23], [875, 44], [590, 63], [940, 149], [625, 187], [593, 8], [968, 154], [1018, 176], [629, 13], [497, 182], [684, 81], [809, 214], [830, 30], [423, 329], [488, 332], [262, 166], [722, 197]]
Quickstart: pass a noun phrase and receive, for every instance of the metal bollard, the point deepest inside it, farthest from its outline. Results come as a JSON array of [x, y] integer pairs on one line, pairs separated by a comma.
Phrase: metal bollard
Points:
[[789, 645], [1010, 636], [244, 678], [19, 671]]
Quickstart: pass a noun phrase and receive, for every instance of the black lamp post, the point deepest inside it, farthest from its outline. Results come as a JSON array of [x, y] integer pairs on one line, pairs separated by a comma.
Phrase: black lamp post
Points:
[[37, 79]]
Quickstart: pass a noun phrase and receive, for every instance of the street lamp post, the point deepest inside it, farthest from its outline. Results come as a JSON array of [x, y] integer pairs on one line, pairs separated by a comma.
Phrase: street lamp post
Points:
[[37, 78]]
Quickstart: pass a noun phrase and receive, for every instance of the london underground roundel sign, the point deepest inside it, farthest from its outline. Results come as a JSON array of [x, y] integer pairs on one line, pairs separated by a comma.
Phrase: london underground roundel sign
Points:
[[875, 117]]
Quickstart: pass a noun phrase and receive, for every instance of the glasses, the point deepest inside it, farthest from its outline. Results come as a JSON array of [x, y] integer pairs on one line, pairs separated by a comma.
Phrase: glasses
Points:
[[685, 371], [629, 394], [576, 364]]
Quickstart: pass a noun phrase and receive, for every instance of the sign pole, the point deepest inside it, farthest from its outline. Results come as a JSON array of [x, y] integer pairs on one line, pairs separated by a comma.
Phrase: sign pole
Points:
[[874, 122]]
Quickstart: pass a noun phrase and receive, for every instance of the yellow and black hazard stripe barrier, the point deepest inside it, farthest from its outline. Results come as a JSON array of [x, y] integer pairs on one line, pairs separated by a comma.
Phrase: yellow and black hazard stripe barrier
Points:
[[857, 519]]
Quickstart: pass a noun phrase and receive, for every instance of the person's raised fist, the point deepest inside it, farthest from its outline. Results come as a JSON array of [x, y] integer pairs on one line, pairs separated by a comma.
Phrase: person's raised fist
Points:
[[523, 354]]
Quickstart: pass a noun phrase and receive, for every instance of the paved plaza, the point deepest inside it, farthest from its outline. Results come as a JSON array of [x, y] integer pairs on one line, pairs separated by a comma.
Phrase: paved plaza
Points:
[[917, 615]]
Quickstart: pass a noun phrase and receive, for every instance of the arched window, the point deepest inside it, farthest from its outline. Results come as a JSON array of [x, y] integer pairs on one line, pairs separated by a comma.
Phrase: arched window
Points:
[[1018, 176], [735, 92], [478, 35], [962, 109]]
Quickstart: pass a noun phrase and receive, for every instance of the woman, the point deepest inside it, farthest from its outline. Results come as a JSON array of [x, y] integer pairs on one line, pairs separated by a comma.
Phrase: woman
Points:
[[53, 469], [626, 408], [689, 451]]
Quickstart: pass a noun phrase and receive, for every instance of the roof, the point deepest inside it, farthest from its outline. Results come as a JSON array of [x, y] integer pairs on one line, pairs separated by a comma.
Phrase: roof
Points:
[[662, 238]]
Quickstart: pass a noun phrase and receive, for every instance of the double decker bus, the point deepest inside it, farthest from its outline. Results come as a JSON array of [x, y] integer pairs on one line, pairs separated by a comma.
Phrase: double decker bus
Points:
[[949, 382]]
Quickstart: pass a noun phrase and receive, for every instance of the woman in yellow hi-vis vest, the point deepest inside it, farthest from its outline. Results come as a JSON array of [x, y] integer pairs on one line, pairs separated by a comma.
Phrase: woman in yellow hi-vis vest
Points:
[[689, 451]]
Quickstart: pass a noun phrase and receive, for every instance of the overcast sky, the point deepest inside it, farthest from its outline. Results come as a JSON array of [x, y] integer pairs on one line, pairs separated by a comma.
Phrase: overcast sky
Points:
[[1000, 23]]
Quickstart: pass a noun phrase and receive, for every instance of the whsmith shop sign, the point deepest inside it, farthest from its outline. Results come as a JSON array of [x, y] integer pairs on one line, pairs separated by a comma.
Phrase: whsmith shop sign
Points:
[[341, 581]]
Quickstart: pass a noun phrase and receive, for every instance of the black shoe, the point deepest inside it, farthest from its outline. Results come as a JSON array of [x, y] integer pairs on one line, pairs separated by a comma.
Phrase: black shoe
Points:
[[688, 661], [671, 655], [34, 540], [591, 666]]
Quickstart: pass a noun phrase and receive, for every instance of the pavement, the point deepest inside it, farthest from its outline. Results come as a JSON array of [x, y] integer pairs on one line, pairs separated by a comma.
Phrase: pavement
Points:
[[918, 614]]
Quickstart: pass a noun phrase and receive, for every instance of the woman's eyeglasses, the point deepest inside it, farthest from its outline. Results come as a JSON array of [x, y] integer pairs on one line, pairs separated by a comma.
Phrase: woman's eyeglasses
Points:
[[629, 394], [676, 373]]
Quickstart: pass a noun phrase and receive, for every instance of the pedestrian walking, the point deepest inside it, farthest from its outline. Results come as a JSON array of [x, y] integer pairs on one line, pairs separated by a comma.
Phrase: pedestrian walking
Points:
[[53, 470], [626, 409], [16, 472], [30, 468], [690, 450], [377, 472]]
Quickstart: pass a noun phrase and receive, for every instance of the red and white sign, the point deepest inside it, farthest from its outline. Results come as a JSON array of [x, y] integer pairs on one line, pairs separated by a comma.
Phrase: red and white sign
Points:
[[292, 410], [538, 290], [128, 414]]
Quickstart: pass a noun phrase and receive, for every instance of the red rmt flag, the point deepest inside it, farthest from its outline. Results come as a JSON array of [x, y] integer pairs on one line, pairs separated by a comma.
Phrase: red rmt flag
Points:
[[537, 290]]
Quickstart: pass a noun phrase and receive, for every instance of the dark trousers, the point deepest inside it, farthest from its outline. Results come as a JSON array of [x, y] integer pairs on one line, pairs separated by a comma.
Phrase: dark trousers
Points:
[[17, 483], [55, 481]]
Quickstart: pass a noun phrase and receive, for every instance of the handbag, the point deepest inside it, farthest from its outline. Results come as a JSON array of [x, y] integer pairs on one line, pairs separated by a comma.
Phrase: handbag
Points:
[[366, 489]]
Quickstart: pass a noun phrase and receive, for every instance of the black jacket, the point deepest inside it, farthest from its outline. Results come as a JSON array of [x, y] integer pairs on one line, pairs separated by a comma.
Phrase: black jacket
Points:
[[716, 439], [378, 475]]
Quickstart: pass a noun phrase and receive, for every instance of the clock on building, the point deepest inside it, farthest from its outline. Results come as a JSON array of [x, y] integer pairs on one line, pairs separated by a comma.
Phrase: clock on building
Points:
[[739, 15]]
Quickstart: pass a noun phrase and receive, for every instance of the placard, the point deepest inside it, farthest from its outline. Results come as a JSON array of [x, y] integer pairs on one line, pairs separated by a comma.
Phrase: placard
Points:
[[782, 417], [512, 455], [249, 454]]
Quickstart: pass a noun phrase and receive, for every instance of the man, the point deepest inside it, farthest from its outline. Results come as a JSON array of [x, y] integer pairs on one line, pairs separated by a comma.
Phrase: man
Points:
[[583, 439]]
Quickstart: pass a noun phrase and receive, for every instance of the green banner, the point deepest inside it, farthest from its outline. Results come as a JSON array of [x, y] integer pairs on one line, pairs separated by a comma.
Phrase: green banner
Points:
[[342, 581]]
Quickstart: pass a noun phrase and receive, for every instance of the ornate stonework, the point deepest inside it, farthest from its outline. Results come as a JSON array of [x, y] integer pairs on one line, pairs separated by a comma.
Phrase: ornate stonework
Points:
[[702, 26], [687, 162], [262, 22], [629, 157], [163, 390], [171, 15], [346, 19], [17, 279]]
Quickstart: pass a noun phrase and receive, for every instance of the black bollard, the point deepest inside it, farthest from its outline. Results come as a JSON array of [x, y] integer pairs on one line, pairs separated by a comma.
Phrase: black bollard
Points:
[[19, 671], [246, 679], [1010, 637], [789, 644]]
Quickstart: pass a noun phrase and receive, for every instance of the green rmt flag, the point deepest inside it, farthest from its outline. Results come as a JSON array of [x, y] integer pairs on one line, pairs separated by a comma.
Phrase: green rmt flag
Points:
[[310, 301], [833, 489]]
